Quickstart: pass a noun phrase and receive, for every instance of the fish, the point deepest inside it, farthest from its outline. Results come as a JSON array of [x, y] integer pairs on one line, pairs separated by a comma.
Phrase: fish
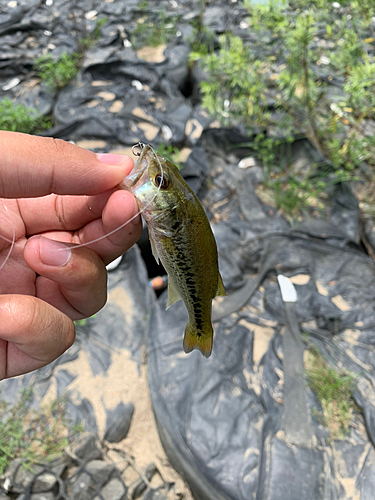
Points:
[[181, 239]]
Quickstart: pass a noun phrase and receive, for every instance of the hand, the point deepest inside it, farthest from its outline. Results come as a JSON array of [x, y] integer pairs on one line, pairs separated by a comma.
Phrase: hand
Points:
[[46, 284]]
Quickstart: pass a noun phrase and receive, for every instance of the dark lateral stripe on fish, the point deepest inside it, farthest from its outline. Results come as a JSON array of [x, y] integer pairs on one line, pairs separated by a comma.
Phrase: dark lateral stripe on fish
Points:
[[181, 262]]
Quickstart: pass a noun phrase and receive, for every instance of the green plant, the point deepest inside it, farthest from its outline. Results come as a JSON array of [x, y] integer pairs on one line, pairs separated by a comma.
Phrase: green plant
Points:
[[57, 73], [154, 29], [143, 5], [202, 38], [275, 84], [334, 390], [32, 435], [170, 153], [233, 93], [89, 40], [18, 118]]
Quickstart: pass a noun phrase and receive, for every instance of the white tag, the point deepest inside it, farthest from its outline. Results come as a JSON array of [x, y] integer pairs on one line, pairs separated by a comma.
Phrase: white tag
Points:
[[288, 292]]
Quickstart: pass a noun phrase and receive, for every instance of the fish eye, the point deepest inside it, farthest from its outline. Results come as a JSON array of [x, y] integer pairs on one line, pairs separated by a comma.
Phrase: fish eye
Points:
[[161, 181]]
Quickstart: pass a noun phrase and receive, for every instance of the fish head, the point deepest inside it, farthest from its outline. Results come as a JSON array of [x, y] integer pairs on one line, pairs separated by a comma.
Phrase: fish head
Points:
[[154, 182]]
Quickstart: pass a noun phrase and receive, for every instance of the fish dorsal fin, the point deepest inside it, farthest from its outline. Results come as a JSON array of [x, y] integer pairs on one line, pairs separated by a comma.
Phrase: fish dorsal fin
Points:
[[220, 287], [153, 248], [173, 295]]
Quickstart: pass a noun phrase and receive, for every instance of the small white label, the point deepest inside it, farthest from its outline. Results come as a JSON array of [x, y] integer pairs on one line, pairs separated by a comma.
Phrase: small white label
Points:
[[288, 292]]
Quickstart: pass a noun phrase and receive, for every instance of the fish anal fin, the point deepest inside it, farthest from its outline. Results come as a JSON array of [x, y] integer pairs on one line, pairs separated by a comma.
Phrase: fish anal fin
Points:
[[220, 287], [196, 340], [173, 294]]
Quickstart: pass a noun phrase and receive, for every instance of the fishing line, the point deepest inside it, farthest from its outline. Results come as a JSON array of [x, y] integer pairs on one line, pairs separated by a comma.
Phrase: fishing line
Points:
[[141, 146], [12, 241]]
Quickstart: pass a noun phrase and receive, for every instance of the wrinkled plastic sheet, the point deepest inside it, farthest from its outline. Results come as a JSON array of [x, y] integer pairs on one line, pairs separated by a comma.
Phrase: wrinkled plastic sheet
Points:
[[241, 424], [118, 98], [223, 421]]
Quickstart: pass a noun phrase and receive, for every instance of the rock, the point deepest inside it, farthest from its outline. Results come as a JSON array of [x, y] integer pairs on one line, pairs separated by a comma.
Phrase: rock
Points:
[[140, 485], [59, 468], [20, 478], [100, 470], [114, 490], [85, 447], [37, 496], [86, 484], [10, 473], [118, 422], [24, 477], [154, 495], [81, 487], [44, 482]]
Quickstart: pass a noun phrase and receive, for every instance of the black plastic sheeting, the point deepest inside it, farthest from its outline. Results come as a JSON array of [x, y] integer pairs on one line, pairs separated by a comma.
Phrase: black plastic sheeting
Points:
[[112, 72], [232, 425], [242, 424], [224, 421]]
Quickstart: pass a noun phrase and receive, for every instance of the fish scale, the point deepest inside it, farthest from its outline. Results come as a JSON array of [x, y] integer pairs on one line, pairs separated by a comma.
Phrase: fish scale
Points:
[[187, 272]]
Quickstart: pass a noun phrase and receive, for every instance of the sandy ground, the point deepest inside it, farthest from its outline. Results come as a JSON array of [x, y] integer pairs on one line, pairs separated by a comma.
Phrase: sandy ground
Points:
[[125, 381]]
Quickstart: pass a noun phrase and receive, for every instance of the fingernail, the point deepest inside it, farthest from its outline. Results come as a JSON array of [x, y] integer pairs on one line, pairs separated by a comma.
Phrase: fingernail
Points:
[[110, 158], [53, 253]]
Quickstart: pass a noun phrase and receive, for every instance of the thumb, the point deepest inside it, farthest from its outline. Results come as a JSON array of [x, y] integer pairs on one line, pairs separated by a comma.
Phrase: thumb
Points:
[[32, 334], [36, 166]]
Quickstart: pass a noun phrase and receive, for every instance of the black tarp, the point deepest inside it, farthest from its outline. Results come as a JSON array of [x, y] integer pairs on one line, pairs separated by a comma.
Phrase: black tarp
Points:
[[242, 424]]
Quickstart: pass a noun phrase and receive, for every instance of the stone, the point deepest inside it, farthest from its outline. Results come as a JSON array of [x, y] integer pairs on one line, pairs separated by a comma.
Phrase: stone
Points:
[[59, 468], [118, 422], [44, 482], [140, 485], [48, 495], [100, 470], [114, 490], [85, 447], [81, 488], [10, 473], [20, 478], [154, 495], [88, 483]]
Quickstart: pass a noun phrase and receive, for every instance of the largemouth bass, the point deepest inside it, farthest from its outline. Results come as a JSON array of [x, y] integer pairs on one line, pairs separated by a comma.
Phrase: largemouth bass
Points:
[[181, 238]]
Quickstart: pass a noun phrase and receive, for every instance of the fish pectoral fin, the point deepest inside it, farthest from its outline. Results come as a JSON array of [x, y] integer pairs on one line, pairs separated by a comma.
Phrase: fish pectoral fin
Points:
[[153, 249], [173, 294], [220, 287], [195, 339]]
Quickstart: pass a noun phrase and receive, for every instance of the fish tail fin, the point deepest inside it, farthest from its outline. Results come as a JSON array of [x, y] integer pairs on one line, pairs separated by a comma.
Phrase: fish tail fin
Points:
[[196, 339]]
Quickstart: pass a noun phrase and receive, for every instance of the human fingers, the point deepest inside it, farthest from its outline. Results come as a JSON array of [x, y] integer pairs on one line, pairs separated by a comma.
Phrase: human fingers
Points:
[[64, 213], [32, 334], [120, 210], [72, 280], [36, 166]]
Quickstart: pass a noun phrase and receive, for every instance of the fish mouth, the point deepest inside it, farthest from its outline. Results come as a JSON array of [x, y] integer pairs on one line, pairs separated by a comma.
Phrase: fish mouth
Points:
[[137, 176], [132, 179]]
